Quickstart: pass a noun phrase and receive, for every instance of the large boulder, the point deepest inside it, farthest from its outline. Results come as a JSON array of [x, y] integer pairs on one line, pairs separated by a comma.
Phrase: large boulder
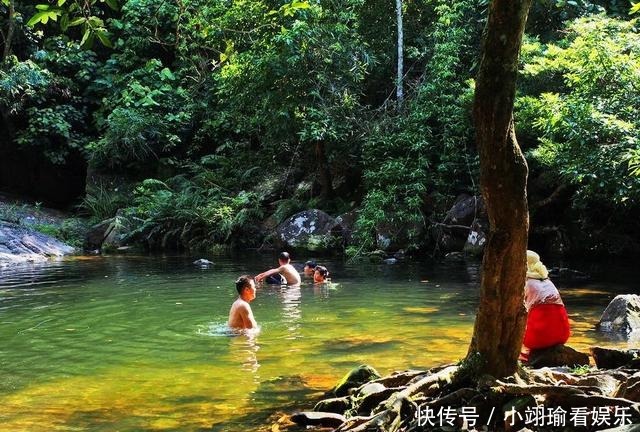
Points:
[[465, 227], [109, 234], [345, 225], [622, 316], [558, 355], [465, 210], [310, 229], [19, 245]]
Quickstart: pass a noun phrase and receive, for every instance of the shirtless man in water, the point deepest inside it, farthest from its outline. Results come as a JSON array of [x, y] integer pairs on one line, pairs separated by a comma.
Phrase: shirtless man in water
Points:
[[286, 270], [240, 315]]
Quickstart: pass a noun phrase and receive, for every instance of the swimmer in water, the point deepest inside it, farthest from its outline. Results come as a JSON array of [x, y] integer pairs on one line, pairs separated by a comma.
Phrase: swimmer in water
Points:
[[240, 315], [288, 274], [309, 268], [320, 274]]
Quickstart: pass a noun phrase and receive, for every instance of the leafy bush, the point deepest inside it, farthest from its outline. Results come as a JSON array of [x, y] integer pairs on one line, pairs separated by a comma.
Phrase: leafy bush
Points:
[[587, 126], [139, 122], [189, 214], [102, 202]]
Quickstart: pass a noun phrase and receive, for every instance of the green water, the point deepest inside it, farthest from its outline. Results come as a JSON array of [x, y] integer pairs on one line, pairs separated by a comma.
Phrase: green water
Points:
[[140, 343]]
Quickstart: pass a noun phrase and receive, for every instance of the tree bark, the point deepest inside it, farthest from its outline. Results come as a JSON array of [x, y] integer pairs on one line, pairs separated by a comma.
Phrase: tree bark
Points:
[[10, 29], [499, 325], [399, 87], [324, 173]]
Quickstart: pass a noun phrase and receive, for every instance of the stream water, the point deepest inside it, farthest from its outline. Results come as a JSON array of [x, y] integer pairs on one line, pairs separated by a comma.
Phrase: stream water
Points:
[[139, 343]]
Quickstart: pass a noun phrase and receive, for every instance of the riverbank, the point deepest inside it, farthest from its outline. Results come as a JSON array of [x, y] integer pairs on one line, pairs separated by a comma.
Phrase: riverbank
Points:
[[30, 232], [452, 397]]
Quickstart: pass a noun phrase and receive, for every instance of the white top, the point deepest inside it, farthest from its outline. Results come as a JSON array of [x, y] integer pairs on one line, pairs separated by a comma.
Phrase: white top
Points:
[[538, 291]]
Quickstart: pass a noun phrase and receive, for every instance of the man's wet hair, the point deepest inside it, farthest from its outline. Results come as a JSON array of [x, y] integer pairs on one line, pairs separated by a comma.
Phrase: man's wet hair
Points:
[[242, 282], [284, 256], [311, 264]]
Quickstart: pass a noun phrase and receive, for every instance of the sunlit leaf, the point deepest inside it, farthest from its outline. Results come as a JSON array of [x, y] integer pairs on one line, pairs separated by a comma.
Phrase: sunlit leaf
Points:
[[77, 21], [103, 37]]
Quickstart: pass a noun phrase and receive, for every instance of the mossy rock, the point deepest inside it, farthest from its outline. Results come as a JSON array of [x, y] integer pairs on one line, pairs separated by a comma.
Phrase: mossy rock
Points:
[[354, 379]]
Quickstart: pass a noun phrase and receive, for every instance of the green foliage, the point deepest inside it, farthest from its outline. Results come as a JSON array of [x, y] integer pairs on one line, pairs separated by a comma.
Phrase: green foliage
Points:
[[71, 231], [580, 370], [22, 83], [422, 155], [87, 15], [138, 120], [247, 109], [102, 202], [43, 94], [191, 214], [588, 125]]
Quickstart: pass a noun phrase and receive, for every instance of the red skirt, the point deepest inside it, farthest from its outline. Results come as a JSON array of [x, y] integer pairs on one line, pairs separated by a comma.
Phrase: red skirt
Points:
[[547, 325]]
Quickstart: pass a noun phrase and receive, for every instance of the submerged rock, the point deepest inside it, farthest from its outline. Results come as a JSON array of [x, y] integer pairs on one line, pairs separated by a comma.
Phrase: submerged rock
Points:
[[20, 245], [204, 263], [622, 316]]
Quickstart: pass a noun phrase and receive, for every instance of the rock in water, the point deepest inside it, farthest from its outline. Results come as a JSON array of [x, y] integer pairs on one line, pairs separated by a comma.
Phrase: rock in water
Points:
[[203, 262], [622, 316], [355, 378]]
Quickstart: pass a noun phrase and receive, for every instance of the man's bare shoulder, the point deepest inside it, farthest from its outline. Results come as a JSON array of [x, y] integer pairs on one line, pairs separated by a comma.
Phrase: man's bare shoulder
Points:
[[240, 304]]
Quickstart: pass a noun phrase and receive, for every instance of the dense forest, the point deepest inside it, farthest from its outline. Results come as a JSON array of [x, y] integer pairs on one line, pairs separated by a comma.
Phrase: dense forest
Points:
[[210, 122]]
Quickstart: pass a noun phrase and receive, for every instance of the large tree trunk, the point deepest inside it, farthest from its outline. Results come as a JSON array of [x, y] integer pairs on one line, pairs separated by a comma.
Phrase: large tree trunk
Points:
[[499, 325]]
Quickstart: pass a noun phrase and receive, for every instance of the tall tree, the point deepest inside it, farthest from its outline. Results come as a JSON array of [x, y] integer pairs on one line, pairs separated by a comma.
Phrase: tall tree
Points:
[[399, 88], [499, 325]]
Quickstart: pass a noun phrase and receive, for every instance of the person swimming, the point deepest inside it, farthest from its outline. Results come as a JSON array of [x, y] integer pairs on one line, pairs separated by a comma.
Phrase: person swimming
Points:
[[320, 274], [240, 314], [309, 268], [288, 274]]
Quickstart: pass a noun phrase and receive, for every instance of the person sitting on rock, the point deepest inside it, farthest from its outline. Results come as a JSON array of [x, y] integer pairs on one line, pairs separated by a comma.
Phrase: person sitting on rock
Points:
[[286, 274], [320, 274], [240, 315], [547, 320], [309, 268]]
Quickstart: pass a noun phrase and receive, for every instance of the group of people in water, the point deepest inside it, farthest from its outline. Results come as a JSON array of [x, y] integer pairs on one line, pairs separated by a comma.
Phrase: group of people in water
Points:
[[241, 315], [547, 319]]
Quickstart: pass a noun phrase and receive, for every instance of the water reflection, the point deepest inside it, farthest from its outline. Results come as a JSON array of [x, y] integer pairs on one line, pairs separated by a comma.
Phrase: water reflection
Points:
[[244, 348], [291, 311]]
